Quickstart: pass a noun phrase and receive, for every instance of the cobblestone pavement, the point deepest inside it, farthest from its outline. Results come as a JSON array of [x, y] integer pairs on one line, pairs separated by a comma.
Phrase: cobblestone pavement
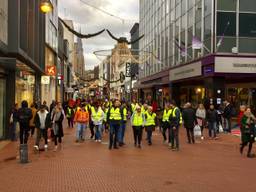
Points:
[[209, 166]]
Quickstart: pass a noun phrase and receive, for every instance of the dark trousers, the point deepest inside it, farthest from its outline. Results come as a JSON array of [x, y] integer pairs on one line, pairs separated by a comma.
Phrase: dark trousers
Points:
[[41, 133], [174, 136], [113, 134], [137, 133], [91, 129], [249, 148], [32, 129], [57, 139], [24, 129], [149, 130], [70, 122], [212, 128], [190, 135], [228, 124], [166, 126]]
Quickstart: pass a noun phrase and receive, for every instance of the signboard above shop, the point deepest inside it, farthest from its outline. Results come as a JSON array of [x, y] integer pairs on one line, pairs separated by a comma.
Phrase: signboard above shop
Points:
[[51, 70], [186, 71], [235, 65]]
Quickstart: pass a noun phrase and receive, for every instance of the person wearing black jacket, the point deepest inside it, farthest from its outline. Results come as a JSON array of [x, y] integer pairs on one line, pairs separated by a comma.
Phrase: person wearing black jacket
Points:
[[24, 115], [227, 114], [189, 118], [212, 119], [42, 123], [175, 121]]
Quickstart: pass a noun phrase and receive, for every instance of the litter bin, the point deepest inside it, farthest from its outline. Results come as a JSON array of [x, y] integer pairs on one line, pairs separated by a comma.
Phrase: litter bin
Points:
[[23, 153]]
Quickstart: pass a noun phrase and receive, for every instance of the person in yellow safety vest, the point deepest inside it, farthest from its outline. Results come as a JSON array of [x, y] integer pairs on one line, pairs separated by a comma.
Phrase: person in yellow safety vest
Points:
[[138, 121], [150, 124], [166, 122], [134, 105], [114, 118], [97, 118], [70, 113], [175, 122], [144, 108], [121, 132]]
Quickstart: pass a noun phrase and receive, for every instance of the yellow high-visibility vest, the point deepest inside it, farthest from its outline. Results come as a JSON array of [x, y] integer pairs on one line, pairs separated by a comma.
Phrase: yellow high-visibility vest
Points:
[[174, 114], [125, 114], [115, 114], [166, 115], [137, 119], [150, 119], [97, 115]]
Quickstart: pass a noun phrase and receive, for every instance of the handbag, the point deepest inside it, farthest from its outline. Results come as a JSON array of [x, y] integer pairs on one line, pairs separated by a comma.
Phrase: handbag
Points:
[[197, 131], [220, 128]]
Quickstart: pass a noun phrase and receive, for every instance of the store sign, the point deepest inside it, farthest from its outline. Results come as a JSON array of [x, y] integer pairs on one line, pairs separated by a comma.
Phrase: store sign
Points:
[[51, 70], [45, 80], [208, 70], [31, 79], [128, 70], [187, 71], [235, 65]]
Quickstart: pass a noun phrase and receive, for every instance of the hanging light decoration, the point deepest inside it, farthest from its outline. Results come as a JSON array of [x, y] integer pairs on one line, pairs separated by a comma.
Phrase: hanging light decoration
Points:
[[46, 6]]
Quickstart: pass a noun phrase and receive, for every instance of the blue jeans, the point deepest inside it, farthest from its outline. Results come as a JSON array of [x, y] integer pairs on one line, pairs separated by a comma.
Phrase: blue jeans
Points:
[[113, 134], [212, 128], [80, 131], [98, 132], [121, 132]]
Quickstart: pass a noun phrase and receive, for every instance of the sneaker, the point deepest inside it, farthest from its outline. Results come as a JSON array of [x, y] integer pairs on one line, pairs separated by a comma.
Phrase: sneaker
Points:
[[45, 147], [55, 148], [202, 138], [36, 148], [99, 141], [77, 140]]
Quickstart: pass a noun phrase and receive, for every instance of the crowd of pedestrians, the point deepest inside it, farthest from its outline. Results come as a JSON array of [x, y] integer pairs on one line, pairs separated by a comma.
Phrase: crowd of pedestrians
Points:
[[111, 117]]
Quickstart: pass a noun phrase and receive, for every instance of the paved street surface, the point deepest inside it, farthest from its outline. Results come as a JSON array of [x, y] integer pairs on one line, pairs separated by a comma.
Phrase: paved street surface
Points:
[[209, 166]]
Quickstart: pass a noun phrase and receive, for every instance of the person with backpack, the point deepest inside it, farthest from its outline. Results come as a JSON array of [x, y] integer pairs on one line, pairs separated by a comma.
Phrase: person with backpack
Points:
[[24, 116], [150, 123]]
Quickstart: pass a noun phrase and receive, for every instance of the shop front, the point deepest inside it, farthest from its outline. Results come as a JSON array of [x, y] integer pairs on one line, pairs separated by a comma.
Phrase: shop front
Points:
[[214, 79]]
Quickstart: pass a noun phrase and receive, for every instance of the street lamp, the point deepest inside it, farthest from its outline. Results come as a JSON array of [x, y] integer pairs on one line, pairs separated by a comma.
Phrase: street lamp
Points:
[[46, 6]]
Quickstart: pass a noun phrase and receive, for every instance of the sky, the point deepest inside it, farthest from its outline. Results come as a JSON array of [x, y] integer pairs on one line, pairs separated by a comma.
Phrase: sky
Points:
[[89, 20]]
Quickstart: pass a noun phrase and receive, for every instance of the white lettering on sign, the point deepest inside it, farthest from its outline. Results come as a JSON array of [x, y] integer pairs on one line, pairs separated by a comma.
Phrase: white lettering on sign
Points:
[[187, 71]]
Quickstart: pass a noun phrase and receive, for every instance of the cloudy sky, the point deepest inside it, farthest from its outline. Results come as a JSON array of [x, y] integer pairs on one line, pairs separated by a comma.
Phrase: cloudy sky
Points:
[[91, 20]]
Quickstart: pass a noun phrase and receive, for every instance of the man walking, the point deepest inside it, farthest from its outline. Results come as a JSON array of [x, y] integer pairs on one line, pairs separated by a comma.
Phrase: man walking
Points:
[[121, 133], [150, 118], [175, 122], [137, 121], [82, 119], [24, 116], [166, 122], [114, 118], [189, 118]]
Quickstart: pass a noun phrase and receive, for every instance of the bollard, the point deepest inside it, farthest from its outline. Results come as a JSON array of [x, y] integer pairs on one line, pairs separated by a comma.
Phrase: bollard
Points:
[[24, 153]]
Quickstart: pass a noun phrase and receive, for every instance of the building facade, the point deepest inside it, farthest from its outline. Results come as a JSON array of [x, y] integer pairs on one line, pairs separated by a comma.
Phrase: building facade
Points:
[[205, 51], [21, 56]]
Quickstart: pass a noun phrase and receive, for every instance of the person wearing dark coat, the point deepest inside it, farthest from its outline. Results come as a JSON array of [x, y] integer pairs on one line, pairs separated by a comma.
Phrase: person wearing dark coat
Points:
[[212, 119], [24, 116], [189, 118], [227, 114], [248, 131], [42, 123], [57, 117]]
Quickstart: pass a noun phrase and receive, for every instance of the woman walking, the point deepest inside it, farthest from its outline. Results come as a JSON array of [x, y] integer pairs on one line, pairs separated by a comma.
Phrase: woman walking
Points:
[[57, 118], [201, 115], [248, 131]]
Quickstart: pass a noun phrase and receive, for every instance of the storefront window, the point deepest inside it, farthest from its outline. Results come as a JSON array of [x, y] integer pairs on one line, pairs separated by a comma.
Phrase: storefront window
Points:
[[247, 45], [2, 105], [25, 85]]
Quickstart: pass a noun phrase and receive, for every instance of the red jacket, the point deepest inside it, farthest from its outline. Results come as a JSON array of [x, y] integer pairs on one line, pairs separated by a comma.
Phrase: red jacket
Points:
[[239, 118]]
